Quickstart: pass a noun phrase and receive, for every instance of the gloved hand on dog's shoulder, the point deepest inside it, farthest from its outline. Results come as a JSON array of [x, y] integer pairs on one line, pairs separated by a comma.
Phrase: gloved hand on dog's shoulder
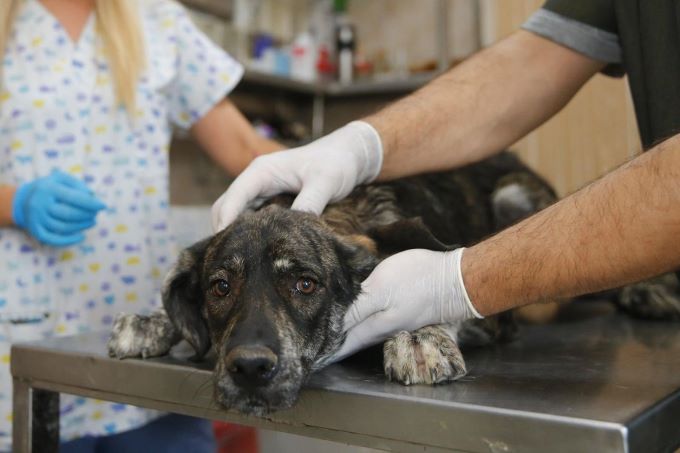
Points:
[[406, 291], [323, 171]]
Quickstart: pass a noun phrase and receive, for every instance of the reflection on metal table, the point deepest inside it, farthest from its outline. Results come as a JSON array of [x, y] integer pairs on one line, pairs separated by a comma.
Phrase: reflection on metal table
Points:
[[595, 382]]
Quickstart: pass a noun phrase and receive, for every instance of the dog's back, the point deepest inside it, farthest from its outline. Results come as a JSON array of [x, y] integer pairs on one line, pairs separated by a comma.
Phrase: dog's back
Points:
[[457, 207]]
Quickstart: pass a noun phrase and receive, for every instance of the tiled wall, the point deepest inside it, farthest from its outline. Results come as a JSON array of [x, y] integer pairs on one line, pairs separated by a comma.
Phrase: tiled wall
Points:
[[408, 27]]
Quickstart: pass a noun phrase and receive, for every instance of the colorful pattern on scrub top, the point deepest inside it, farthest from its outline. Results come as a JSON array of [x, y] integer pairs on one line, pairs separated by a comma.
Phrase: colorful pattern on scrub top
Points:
[[57, 110]]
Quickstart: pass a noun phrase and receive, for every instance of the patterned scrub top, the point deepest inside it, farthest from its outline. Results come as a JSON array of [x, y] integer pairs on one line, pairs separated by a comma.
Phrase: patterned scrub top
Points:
[[57, 111]]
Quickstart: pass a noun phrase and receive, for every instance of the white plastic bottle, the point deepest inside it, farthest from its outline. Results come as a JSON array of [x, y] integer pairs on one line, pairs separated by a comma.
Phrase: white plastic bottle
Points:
[[303, 58]]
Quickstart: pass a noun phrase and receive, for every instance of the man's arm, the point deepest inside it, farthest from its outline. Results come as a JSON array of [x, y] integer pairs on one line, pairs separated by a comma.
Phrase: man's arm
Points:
[[480, 107], [476, 109], [229, 139], [619, 229]]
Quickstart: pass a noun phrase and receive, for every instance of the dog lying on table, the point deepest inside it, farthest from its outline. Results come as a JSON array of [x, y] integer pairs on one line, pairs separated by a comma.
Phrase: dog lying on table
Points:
[[269, 293]]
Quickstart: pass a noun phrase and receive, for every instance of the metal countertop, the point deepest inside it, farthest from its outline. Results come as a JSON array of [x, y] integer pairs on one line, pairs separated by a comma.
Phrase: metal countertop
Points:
[[594, 381]]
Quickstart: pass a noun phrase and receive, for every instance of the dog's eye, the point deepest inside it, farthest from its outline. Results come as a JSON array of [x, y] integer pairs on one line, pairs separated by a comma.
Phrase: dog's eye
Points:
[[305, 285], [221, 288]]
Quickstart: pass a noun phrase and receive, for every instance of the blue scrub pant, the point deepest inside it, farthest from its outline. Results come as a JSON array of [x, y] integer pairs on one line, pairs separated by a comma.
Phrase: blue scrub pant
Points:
[[169, 434]]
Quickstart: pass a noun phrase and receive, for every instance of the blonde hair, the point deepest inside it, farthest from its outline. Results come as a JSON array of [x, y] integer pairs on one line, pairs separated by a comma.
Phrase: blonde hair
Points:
[[120, 28]]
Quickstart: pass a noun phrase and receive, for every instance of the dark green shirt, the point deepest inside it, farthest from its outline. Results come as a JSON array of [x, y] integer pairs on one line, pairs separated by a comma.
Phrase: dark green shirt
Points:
[[640, 38]]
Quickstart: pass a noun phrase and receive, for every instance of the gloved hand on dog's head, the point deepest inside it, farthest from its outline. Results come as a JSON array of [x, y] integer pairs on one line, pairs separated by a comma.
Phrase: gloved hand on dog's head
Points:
[[406, 291], [323, 171]]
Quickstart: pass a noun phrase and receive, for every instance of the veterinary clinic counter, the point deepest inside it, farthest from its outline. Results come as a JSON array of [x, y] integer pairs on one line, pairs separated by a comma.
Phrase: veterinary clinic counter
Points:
[[596, 381]]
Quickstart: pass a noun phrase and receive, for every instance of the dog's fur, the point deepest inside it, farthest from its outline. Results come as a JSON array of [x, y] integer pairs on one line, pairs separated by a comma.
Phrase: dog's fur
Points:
[[244, 290]]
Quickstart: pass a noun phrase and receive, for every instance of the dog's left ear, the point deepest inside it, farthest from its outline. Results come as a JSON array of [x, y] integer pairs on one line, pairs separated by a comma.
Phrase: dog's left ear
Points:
[[405, 234], [183, 298]]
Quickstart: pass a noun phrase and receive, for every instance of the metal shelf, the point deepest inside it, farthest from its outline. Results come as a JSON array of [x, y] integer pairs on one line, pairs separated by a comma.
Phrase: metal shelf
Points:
[[336, 89]]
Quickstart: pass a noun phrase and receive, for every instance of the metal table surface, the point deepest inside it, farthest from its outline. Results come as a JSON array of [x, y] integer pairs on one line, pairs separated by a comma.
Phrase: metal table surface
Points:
[[599, 382]]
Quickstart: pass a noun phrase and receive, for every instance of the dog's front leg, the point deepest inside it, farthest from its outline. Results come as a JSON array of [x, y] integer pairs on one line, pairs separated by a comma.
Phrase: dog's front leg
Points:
[[429, 355], [142, 336]]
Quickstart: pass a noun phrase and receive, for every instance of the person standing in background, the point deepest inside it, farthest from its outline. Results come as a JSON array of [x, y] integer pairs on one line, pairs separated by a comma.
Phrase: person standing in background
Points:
[[88, 93]]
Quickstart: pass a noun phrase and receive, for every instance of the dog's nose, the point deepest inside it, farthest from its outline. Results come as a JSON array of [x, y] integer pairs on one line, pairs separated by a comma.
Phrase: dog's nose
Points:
[[251, 366]]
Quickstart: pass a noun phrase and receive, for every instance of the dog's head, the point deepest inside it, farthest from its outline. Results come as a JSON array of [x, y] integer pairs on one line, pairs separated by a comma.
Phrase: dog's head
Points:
[[269, 293]]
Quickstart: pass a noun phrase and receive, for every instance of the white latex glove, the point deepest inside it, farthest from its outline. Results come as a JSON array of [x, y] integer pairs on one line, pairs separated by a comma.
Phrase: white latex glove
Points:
[[323, 171], [407, 291]]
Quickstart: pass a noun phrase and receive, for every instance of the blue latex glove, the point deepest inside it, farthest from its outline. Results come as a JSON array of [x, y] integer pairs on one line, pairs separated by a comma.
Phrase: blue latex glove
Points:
[[55, 209]]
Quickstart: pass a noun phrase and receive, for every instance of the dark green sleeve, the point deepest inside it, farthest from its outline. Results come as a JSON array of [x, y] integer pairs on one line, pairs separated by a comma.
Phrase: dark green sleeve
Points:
[[596, 13], [586, 26]]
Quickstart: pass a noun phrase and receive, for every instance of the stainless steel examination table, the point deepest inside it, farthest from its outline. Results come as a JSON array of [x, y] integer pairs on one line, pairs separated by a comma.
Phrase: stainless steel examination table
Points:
[[595, 381]]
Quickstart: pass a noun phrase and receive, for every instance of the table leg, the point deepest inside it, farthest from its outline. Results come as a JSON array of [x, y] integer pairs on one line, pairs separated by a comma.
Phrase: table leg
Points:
[[21, 418], [45, 424], [35, 420]]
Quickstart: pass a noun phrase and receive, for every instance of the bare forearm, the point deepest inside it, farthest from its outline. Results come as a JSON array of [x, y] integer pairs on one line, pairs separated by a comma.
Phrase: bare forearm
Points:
[[229, 139], [6, 197], [620, 229], [480, 107]]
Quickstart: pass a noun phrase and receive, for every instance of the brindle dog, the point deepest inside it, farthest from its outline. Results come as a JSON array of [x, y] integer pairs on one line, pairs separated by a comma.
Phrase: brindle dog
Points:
[[269, 292]]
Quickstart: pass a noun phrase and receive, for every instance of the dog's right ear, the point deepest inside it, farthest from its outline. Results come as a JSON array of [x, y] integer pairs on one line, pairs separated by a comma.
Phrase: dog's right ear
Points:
[[183, 298]]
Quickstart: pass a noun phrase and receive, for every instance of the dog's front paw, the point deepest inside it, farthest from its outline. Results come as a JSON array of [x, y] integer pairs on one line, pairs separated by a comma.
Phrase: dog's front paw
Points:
[[426, 356], [142, 336]]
